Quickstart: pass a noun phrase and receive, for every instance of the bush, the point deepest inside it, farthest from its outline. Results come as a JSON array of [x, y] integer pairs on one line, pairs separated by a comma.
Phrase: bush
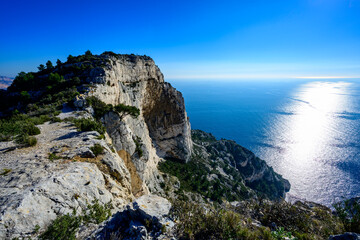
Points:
[[303, 221], [25, 140], [97, 149], [66, 226], [25, 96], [85, 124], [349, 213], [133, 111], [63, 227], [101, 108], [196, 222], [97, 213], [30, 129], [53, 156], [138, 148]]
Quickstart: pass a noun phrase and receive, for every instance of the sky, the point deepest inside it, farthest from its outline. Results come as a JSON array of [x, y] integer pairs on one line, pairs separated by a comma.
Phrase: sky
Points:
[[189, 39]]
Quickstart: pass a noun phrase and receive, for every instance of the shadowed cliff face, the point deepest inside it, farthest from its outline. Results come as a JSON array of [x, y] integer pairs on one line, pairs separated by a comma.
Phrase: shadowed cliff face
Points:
[[167, 121], [161, 130]]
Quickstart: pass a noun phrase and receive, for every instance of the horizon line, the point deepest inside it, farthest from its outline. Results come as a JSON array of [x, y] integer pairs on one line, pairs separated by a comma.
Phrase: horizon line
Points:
[[229, 76]]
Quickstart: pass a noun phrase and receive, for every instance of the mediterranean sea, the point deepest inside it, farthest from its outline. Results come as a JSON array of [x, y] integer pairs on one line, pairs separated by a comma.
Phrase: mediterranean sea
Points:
[[307, 130]]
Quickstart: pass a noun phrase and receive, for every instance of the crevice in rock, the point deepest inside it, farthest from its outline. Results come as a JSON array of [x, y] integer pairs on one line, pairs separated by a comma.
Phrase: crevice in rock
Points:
[[136, 182]]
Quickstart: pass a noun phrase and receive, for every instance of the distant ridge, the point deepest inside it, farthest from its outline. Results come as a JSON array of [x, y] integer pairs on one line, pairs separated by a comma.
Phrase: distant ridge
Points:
[[5, 82]]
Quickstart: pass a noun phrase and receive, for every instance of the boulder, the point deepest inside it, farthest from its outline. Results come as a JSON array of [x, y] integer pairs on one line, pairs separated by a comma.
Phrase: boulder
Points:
[[145, 218], [346, 236]]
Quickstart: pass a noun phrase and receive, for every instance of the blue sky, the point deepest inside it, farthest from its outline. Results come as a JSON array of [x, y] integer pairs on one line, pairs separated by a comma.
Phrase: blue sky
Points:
[[190, 39]]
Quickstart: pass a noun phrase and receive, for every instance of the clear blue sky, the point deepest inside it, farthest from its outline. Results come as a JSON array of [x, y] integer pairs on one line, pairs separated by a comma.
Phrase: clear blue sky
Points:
[[189, 39]]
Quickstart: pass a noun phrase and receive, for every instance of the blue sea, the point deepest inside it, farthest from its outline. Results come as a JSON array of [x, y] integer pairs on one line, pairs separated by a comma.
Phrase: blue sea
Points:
[[307, 130]]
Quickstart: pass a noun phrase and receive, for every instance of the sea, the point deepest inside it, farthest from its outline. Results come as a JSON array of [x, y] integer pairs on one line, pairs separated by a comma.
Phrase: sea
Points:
[[307, 130]]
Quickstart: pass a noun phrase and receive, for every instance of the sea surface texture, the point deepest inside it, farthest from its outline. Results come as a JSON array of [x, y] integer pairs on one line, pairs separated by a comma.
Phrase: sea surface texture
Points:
[[308, 131]]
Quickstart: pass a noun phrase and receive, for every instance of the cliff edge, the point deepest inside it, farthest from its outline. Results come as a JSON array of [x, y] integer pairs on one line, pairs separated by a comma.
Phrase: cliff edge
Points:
[[81, 140]]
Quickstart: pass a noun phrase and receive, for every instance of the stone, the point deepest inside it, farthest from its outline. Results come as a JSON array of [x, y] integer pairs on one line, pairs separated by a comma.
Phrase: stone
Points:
[[345, 236], [80, 101], [143, 219], [38, 189]]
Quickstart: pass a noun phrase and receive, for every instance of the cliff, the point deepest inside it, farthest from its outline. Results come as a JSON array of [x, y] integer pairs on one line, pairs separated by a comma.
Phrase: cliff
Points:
[[106, 129]]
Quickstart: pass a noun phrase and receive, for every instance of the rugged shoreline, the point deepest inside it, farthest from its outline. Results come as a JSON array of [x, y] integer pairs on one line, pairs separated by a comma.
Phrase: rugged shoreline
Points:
[[103, 135]]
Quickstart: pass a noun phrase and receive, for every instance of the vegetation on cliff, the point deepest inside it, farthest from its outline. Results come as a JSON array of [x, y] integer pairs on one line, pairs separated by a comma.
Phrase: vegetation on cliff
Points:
[[255, 220], [222, 170], [37, 97], [225, 191]]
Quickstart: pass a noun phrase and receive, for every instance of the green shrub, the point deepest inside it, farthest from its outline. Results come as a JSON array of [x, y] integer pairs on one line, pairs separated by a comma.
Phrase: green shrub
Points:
[[63, 227], [101, 108], [196, 222], [25, 140], [30, 129], [97, 149], [56, 119], [138, 148], [53, 156], [349, 213], [280, 234], [49, 65], [303, 221], [85, 124], [97, 213], [25, 96], [133, 111], [193, 178]]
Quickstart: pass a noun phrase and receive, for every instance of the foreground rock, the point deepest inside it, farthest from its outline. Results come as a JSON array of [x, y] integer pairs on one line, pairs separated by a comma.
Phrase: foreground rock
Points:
[[37, 189], [230, 161], [346, 236], [146, 218]]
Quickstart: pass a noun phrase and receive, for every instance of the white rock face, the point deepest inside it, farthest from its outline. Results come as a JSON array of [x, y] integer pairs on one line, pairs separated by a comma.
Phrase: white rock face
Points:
[[145, 219], [162, 128], [38, 189]]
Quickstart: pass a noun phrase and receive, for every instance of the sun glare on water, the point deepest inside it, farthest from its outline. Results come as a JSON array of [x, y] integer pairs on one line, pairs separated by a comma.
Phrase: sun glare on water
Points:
[[306, 136]]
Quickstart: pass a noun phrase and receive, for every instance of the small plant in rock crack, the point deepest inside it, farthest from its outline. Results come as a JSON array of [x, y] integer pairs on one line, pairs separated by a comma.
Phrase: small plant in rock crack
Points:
[[138, 148], [53, 156], [97, 149]]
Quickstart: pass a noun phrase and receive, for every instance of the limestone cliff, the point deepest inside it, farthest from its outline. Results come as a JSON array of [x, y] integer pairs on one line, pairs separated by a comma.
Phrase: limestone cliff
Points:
[[119, 120], [162, 127], [137, 81]]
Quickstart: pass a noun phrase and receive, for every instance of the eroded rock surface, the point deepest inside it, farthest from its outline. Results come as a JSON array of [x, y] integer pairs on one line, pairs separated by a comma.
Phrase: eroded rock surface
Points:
[[38, 189], [145, 218]]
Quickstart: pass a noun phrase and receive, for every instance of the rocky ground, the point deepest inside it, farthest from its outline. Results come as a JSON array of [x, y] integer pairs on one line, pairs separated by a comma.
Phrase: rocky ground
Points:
[[37, 188]]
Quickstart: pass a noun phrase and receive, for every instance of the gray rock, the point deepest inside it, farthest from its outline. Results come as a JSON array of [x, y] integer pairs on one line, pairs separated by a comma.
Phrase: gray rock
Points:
[[143, 219], [37, 189], [162, 127], [79, 102], [346, 236]]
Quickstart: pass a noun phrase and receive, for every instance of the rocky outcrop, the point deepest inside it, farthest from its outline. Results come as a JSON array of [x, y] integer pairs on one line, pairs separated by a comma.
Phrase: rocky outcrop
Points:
[[68, 169], [162, 129], [137, 81], [55, 177], [345, 236], [230, 159], [146, 218]]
